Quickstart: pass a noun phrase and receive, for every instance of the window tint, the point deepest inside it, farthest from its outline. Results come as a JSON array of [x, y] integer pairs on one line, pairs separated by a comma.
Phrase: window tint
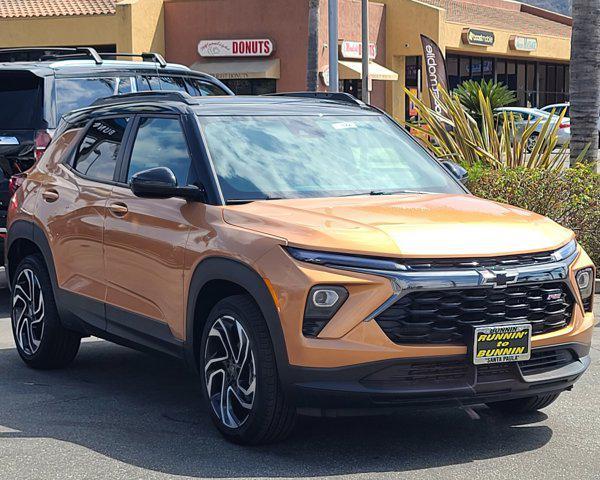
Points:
[[193, 86], [198, 88], [97, 154], [20, 95], [146, 83], [160, 142], [73, 93]]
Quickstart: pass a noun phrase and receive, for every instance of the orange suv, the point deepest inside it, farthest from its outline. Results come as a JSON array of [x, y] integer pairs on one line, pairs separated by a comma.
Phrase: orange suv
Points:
[[303, 253]]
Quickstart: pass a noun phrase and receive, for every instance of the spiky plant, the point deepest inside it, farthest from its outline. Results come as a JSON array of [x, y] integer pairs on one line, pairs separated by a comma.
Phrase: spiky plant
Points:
[[495, 141], [498, 94]]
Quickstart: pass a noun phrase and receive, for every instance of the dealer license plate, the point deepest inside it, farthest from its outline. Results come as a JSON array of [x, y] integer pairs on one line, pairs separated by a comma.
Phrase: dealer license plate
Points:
[[502, 343]]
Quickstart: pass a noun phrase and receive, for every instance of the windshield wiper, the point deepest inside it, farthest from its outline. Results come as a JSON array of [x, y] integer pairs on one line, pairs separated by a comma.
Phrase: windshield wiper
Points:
[[383, 192], [241, 201]]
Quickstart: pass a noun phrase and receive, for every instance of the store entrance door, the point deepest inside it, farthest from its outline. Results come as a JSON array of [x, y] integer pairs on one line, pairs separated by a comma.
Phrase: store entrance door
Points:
[[353, 87]]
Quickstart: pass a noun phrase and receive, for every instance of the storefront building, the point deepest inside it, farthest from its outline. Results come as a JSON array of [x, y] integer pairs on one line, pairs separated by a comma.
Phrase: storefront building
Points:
[[108, 25], [262, 46], [524, 47]]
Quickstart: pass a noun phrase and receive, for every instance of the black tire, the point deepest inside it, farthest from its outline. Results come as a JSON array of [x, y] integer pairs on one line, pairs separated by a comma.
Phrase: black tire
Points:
[[47, 344], [525, 405], [270, 417]]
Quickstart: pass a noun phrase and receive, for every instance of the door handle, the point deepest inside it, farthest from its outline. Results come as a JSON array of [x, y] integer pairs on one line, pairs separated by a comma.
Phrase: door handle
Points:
[[50, 195], [118, 209]]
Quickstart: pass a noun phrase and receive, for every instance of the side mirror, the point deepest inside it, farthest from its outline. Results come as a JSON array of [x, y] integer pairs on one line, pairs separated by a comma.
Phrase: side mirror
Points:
[[459, 172], [160, 182]]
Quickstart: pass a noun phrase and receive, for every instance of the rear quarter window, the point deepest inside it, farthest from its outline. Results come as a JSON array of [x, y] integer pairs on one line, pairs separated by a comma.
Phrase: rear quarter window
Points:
[[21, 95], [74, 93]]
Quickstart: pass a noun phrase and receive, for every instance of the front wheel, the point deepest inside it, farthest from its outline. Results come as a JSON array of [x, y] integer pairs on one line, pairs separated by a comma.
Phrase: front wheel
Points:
[[240, 380]]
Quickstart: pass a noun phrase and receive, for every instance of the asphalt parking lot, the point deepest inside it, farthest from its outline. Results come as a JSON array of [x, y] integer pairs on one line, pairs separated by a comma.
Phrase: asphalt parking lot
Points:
[[120, 414]]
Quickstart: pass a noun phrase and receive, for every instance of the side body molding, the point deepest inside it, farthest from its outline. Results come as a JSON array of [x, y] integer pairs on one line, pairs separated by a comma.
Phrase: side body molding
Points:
[[218, 268]]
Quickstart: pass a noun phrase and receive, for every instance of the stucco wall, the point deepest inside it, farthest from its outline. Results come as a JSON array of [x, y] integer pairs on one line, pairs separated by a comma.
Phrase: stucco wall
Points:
[[549, 48], [286, 23], [68, 31], [405, 21], [135, 27], [349, 28]]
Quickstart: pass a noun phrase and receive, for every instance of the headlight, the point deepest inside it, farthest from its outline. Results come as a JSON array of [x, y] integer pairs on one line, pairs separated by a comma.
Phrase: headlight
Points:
[[585, 283], [322, 304]]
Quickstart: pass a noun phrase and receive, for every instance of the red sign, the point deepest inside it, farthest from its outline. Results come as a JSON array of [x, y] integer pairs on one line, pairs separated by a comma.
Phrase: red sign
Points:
[[236, 48], [354, 50]]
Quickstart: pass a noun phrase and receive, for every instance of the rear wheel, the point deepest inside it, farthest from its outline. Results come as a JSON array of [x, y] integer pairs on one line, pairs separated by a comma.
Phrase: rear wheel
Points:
[[240, 380], [41, 340], [524, 405]]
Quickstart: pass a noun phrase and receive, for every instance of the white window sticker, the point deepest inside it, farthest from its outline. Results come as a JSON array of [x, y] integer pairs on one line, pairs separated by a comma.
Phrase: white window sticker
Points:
[[344, 125]]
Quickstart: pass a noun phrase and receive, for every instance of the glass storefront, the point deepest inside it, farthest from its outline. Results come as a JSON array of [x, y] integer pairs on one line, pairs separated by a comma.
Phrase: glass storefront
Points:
[[255, 86], [535, 83]]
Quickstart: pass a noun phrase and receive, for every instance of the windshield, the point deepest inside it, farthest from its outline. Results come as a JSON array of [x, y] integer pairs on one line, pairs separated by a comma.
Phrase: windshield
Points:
[[258, 157]]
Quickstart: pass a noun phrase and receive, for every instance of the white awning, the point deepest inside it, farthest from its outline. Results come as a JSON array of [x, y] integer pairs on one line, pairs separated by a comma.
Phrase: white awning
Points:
[[353, 71], [240, 69]]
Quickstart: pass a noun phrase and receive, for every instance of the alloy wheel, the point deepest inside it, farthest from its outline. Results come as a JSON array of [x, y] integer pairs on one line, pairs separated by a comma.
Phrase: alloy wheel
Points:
[[230, 371], [28, 312]]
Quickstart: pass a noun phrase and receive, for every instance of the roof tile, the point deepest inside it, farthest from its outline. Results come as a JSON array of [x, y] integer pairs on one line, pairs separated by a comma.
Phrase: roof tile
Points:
[[500, 14], [55, 8]]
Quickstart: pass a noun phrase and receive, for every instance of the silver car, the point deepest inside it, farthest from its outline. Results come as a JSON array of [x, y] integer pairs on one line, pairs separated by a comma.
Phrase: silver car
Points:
[[524, 116], [559, 107]]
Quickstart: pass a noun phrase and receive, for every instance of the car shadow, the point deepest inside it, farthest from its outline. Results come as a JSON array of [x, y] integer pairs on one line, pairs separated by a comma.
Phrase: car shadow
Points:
[[146, 411]]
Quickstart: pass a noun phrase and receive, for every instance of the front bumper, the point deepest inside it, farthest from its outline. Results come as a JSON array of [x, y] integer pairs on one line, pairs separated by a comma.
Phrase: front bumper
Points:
[[436, 381]]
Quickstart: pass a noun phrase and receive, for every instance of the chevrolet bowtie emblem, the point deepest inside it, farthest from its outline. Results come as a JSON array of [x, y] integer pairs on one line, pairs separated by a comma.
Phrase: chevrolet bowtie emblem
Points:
[[499, 278]]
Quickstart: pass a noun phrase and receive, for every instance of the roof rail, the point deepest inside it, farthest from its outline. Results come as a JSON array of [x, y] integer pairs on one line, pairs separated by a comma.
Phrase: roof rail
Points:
[[150, 95], [152, 56], [67, 52], [335, 96], [86, 52]]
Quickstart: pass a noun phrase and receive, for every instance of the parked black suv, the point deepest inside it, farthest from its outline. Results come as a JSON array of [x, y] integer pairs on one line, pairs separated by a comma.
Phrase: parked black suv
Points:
[[34, 95]]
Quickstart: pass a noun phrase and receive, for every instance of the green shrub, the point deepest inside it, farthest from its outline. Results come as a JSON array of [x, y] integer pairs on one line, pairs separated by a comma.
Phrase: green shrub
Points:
[[570, 197], [498, 94]]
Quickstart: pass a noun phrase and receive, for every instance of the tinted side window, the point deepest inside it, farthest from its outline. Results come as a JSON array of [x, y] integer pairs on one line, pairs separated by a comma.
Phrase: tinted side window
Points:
[[73, 93], [146, 83], [97, 154], [198, 88], [160, 142], [20, 94]]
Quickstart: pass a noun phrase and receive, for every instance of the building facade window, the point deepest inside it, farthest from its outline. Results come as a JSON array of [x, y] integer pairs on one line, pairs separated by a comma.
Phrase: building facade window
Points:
[[253, 86], [535, 83]]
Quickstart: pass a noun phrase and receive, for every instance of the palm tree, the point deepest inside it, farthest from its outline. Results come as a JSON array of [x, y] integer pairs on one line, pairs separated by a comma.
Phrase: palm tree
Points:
[[312, 61], [585, 79]]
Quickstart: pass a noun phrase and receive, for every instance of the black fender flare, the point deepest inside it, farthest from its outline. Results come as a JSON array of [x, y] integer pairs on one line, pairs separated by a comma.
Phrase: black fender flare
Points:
[[23, 229], [219, 268]]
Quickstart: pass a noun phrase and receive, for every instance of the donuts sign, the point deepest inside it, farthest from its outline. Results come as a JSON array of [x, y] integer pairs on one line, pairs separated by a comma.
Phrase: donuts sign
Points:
[[236, 48]]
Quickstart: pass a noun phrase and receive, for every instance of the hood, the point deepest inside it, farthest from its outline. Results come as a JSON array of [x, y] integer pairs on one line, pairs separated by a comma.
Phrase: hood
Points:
[[402, 225]]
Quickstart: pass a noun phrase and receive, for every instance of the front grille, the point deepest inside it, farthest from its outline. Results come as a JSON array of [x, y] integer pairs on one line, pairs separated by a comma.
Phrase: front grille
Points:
[[486, 262], [447, 316]]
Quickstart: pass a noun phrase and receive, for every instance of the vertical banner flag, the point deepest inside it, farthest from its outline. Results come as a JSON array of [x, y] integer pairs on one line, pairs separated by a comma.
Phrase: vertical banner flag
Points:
[[435, 71]]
